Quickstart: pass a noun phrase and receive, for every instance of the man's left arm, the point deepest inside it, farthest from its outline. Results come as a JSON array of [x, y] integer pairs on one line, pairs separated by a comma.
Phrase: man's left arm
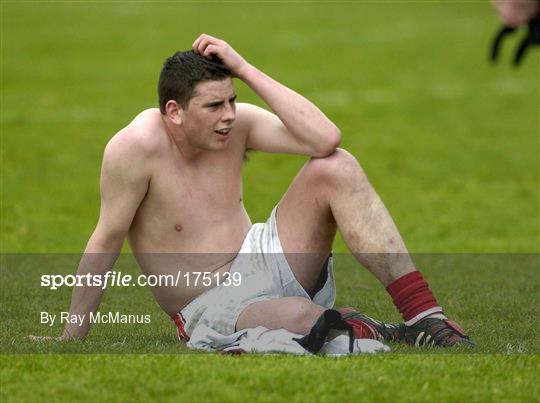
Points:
[[299, 127]]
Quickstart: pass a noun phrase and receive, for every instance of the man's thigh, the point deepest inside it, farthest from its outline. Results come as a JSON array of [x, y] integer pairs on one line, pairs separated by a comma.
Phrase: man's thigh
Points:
[[305, 224], [295, 314]]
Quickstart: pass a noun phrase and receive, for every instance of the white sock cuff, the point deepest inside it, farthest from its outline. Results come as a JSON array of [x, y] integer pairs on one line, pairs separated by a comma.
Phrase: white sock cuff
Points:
[[427, 312]]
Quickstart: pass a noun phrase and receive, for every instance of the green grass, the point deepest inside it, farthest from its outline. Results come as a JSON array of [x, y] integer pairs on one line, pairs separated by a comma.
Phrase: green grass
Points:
[[447, 378], [450, 142]]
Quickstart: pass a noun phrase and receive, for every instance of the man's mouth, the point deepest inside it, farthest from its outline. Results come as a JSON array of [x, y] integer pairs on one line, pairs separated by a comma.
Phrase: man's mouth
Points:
[[224, 131]]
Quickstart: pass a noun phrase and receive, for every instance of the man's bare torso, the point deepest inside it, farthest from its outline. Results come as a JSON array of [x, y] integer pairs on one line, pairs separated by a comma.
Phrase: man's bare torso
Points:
[[192, 217]]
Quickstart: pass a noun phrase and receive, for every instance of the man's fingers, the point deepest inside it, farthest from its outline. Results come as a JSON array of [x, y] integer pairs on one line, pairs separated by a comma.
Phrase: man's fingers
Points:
[[202, 45], [207, 41], [210, 50], [197, 42], [201, 42]]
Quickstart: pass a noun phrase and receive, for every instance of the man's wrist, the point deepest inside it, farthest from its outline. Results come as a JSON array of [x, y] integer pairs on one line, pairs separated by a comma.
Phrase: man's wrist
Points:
[[246, 72]]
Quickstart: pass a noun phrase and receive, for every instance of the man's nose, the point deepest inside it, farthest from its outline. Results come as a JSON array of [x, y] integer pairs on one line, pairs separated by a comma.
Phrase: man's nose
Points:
[[229, 114]]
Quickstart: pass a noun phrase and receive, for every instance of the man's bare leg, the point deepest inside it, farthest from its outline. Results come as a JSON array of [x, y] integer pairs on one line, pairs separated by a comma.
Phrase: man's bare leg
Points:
[[328, 193], [334, 192], [296, 314]]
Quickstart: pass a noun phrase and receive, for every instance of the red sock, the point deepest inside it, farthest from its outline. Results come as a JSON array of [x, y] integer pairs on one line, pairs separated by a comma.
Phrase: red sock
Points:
[[413, 298]]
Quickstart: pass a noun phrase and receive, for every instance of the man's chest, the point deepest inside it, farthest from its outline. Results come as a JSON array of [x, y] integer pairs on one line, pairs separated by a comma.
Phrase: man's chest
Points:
[[211, 188]]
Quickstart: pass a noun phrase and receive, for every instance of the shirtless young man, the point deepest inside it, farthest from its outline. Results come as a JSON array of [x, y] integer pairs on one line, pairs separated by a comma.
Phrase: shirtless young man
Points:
[[171, 182]]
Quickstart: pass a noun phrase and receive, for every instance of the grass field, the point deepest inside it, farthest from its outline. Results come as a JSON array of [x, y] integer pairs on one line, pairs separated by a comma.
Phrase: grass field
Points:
[[450, 142]]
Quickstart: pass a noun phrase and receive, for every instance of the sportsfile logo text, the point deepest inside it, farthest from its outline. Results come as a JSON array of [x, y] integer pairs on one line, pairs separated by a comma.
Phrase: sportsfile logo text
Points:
[[117, 279]]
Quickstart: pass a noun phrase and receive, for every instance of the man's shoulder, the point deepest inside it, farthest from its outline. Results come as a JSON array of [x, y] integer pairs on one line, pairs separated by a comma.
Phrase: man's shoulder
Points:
[[250, 114], [245, 109], [143, 136]]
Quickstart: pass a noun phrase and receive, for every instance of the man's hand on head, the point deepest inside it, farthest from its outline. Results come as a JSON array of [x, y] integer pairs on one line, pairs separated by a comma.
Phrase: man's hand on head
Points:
[[208, 46]]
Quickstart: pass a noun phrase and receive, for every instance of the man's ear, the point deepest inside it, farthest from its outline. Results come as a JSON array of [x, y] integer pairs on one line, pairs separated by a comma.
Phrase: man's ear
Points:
[[174, 112]]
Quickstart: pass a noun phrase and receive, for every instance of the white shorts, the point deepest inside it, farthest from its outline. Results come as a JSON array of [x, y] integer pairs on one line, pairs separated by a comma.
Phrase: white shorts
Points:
[[265, 274]]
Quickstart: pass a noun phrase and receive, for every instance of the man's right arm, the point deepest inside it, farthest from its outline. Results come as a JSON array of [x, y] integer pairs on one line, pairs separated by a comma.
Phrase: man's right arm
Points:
[[123, 184], [297, 126]]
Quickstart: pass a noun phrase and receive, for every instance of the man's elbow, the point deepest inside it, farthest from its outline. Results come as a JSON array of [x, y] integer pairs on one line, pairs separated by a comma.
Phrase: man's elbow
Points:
[[106, 241], [332, 140]]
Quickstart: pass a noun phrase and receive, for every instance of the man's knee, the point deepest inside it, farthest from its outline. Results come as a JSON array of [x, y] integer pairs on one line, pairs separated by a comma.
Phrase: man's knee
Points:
[[303, 315], [336, 168]]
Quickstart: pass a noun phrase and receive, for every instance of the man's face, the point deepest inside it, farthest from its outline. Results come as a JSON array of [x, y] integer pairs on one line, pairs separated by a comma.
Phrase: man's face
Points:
[[209, 117]]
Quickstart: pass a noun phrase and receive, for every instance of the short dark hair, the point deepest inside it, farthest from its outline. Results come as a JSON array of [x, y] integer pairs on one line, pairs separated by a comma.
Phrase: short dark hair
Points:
[[182, 72]]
